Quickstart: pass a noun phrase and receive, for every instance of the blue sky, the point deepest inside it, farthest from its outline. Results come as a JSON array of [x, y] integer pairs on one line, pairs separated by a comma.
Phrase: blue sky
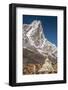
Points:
[[49, 24]]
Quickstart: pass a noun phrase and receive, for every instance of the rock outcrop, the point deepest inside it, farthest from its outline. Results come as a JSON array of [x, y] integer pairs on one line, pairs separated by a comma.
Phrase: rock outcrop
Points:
[[37, 49]]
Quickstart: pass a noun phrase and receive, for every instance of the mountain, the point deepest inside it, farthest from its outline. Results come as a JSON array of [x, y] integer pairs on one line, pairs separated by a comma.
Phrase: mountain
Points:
[[37, 48]]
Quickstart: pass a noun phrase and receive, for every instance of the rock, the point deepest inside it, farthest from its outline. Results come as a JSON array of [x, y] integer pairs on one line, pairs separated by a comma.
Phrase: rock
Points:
[[37, 50]]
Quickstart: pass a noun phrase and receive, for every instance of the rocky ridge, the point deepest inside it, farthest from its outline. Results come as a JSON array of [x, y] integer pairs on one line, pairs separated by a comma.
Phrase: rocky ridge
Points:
[[37, 49]]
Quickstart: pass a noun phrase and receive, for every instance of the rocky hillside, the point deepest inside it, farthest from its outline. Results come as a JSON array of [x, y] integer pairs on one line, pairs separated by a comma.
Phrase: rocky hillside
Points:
[[37, 50]]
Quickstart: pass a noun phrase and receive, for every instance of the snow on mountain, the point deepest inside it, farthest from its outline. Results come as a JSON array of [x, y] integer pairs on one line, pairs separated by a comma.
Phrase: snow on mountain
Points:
[[35, 41]]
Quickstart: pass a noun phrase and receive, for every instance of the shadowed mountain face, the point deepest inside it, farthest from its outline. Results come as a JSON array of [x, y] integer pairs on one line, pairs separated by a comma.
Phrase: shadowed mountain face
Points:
[[31, 57], [36, 48]]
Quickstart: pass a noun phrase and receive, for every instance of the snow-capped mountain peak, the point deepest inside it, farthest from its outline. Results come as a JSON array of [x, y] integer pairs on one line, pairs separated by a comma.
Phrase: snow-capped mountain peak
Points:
[[35, 40]]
